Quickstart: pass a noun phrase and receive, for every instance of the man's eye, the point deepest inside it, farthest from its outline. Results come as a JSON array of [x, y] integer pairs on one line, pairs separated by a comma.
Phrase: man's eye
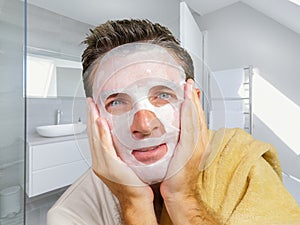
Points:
[[161, 95], [118, 103], [164, 96], [115, 103]]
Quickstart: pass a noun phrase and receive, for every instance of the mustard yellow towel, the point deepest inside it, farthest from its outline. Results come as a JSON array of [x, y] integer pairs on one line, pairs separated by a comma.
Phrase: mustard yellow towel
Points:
[[242, 182]]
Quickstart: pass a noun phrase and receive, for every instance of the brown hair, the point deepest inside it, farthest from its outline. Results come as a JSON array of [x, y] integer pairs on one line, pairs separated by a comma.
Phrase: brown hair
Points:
[[115, 33]]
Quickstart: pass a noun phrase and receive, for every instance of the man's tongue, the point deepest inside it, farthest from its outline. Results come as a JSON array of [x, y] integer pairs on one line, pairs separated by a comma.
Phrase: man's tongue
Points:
[[151, 154]]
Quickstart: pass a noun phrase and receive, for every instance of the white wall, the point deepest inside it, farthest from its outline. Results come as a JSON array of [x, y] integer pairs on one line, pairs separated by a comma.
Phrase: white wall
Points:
[[239, 36]]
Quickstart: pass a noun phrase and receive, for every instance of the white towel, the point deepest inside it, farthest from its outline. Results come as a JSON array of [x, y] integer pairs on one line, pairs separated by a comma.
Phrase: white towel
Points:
[[227, 84], [222, 105], [228, 119]]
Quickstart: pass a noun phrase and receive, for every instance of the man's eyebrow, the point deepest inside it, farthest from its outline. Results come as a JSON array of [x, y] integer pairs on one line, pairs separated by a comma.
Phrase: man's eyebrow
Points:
[[113, 95], [107, 93], [161, 87]]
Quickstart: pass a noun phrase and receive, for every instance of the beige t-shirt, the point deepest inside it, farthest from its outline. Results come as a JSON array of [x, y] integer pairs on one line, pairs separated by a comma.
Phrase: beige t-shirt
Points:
[[87, 201]]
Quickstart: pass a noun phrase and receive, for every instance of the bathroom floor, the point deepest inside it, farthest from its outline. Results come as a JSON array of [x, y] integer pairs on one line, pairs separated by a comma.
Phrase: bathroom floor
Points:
[[37, 207], [15, 219]]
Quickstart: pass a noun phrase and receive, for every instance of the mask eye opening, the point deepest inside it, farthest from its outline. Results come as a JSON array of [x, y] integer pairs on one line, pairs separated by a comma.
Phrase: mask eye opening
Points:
[[161, 95], [118, 103]]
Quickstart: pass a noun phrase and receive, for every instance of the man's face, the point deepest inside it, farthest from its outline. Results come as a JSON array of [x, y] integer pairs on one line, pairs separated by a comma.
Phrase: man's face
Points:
[[144, 123], [141, 103]]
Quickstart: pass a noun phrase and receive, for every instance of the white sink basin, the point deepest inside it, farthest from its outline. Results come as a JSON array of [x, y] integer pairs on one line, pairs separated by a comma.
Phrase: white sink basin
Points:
[[61, 129]]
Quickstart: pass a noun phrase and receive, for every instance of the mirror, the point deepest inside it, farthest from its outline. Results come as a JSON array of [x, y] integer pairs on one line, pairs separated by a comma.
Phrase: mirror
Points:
[[51, 77]]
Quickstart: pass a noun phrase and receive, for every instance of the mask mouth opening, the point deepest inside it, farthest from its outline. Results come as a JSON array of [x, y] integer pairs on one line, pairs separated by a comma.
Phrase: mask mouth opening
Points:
[[146, 149], [151, 154]]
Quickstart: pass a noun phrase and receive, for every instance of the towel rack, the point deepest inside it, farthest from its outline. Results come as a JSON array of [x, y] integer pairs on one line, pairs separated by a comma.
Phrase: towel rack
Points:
[[245, 98]]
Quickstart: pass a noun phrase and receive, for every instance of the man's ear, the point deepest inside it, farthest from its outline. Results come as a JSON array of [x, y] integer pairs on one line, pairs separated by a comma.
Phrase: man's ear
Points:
[[198, 93]]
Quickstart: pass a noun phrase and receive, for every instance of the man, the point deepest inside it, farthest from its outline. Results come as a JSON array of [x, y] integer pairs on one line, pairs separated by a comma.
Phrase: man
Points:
[[153, 159]]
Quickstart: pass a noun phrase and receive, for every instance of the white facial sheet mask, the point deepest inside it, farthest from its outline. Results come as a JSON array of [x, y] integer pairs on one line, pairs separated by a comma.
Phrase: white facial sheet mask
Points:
[[155, 64]]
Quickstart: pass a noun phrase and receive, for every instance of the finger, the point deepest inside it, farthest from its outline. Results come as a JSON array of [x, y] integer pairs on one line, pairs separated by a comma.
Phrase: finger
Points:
[[193, 122], [186, 144], [188, 122], [200, 116], [94, 131], [89, 127], [188, 89], [199, 108], [191, 118], [105, 137], [192, 94], [94, 116]]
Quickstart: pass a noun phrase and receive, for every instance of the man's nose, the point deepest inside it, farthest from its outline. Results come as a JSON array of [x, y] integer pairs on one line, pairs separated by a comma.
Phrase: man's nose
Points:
[[146, 124]]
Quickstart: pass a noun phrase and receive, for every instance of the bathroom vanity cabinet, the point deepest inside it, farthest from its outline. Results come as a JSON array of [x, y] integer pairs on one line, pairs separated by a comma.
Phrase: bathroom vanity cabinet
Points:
[[53, 164]]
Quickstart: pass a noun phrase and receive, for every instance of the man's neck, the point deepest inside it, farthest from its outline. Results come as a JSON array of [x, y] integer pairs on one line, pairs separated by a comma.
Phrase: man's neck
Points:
[[158, 201]]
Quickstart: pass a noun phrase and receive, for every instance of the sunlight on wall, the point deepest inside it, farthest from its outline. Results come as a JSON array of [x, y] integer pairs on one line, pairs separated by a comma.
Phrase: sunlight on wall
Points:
[[297, 2], [277, 111]]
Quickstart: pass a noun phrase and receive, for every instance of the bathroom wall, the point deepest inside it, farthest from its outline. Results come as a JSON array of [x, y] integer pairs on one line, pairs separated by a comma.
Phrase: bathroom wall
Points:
[[238, 36], [55, 33], [57, 36], [43, 111]]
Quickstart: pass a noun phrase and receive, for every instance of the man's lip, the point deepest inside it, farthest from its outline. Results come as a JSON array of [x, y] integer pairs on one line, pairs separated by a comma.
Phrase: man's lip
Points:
[[150, 154]]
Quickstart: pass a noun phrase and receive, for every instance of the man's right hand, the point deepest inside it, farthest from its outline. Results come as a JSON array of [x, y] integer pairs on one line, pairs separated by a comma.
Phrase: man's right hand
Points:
[[135, 197]]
